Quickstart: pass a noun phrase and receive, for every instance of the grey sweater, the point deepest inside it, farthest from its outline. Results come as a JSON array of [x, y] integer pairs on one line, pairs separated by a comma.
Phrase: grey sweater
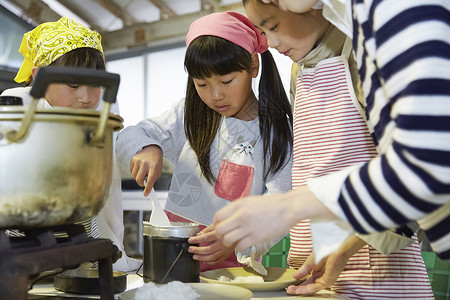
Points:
[[236, 159]]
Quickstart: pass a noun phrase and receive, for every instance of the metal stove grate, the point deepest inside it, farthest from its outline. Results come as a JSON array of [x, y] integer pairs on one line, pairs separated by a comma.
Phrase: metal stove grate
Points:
[[42, 249]]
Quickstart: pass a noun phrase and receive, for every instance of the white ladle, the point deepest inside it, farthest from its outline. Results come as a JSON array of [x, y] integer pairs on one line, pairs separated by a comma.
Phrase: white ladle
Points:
[[249, 260], [258, 267], [158, 217]]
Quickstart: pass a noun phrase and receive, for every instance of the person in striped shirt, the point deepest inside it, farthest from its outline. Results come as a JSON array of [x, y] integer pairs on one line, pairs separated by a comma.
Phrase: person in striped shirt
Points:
[[331, 134], [402, 50]]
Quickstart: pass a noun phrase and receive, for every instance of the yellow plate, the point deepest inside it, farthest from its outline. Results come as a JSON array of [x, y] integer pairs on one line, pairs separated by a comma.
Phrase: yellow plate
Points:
[[207, 292], [276, 279]]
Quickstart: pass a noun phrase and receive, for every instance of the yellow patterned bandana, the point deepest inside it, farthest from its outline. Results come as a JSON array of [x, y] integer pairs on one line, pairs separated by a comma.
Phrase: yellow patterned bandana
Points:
[[48, 41]]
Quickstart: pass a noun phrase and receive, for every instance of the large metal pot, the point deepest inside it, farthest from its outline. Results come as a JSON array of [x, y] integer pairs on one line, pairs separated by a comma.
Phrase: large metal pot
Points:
[[56, 164]]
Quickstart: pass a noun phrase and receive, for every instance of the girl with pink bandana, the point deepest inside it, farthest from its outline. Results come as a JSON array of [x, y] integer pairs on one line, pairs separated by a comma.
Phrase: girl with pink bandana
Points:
[[224, 141]]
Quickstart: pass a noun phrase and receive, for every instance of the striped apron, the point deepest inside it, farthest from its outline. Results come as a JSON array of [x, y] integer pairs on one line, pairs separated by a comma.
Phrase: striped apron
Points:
[[330, 134]]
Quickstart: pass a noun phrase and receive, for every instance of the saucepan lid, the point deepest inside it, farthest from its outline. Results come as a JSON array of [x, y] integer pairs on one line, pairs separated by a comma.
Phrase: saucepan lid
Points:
[[177, 229]]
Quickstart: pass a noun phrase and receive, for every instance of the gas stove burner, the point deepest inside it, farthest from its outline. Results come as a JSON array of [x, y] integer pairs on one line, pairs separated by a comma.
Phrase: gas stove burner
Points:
[[41, 238], [45, 249]]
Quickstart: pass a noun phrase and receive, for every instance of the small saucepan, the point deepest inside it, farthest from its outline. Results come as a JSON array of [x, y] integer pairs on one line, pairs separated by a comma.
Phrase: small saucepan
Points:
[[86, 281]]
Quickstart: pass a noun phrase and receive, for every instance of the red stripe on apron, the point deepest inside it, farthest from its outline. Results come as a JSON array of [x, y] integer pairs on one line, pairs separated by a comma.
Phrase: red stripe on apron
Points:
[[330, 134]]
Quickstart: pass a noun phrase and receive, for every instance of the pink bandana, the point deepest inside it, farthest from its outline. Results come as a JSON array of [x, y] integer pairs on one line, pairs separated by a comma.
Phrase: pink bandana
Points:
[[231, 26]]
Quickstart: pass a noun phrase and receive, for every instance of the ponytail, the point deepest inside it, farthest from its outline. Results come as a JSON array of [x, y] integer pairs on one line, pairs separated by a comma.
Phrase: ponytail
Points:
[[275, 116]]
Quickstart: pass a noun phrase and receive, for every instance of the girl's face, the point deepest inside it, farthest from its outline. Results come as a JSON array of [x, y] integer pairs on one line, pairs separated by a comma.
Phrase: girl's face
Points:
[[291, 34], [74, 96], [297, 6], [230, 95]]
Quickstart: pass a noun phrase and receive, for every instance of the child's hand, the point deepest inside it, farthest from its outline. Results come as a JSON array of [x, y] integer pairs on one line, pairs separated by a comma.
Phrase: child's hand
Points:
[[147, 165], [324, 274], [211, 251]]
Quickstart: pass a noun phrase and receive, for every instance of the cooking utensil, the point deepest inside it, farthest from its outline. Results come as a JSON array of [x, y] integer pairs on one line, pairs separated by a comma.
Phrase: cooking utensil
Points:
[[165, 253], [276, 279], [207, 292], [56, 164], [86, 281], [157, 217], [248, 259], [258, 267]]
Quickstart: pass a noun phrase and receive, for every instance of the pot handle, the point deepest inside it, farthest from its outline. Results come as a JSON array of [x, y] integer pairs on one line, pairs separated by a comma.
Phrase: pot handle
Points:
[[82, 76]]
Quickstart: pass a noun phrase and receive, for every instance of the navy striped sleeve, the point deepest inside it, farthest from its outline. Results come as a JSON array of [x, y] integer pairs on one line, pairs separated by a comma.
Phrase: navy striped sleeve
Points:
[[403, 51]]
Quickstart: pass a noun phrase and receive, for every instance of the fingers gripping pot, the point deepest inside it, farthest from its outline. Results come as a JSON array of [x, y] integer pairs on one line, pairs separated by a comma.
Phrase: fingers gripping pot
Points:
[[56, 164], [166, 256]]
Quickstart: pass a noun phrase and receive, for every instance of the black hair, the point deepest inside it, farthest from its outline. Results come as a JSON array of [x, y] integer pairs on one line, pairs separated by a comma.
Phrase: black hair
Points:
[[84, 57], [210, 55]]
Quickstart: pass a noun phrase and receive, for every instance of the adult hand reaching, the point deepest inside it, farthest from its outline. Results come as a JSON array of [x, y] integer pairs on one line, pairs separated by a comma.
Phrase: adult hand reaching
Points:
[[253, 220]]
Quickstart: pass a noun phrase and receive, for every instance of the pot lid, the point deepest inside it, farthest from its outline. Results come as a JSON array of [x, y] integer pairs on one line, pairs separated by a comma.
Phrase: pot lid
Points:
[[177, 230]]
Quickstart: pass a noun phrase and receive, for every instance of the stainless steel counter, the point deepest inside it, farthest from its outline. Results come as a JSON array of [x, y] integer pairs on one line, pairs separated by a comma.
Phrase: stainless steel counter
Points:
[[134, 281]]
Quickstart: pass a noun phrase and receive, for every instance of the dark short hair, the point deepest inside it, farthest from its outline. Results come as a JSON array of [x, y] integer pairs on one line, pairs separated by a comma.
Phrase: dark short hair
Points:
[[82, 58]]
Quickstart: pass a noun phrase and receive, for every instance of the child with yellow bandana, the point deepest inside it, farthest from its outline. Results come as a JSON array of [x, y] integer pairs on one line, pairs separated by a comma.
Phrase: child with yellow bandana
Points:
[[70, 44]]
